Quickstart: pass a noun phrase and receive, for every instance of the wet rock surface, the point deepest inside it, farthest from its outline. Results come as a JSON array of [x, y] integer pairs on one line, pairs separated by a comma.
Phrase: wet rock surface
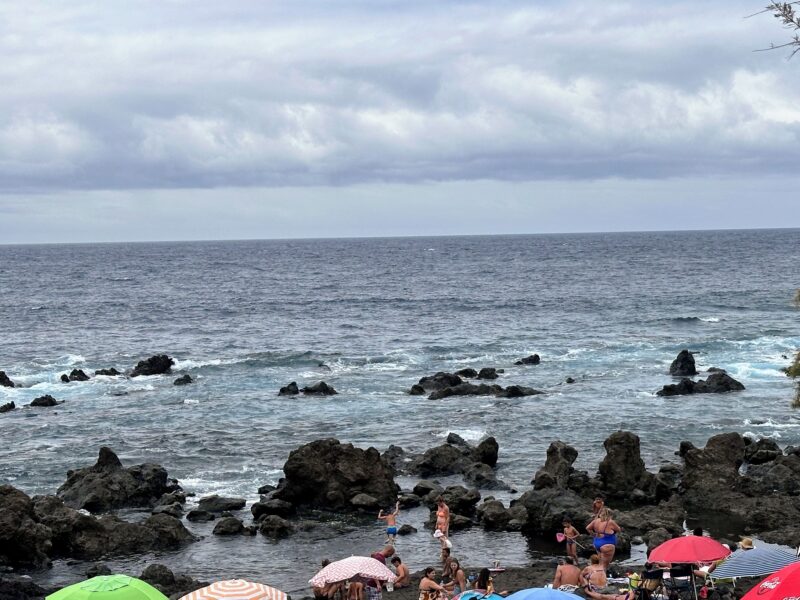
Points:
[[7, 407], [327, 474], [107, 485], [319, 389], [155, 365], [290, 389], [716, 383], [683, 365], [5, 380], [533, 359], [44, 401], [183, 380]]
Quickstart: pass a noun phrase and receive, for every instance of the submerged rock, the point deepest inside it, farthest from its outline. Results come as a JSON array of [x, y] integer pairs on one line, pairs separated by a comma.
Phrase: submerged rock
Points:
[[5, 381], [439, 381], [200, 516], [275, 527], [183, 380], [172, 585], [7, 407], [683, 365], [64, 379], [155, 365], [716, 383]]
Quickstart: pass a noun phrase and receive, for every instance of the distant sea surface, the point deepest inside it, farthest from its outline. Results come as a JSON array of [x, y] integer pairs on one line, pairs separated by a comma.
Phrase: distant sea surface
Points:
[[370, 317]]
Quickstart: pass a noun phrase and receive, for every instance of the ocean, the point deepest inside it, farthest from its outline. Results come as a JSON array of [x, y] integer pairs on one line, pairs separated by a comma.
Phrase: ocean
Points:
[[370, 317]]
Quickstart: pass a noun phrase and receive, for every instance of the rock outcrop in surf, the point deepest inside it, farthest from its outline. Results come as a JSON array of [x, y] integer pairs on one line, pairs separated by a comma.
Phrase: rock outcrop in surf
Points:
[[107, 485], [718, 382]]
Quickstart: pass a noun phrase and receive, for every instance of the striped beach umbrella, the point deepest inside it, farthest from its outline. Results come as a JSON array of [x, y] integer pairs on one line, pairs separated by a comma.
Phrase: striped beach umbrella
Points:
[[109, 587], [236, 589], [347, 568], [762, 560]]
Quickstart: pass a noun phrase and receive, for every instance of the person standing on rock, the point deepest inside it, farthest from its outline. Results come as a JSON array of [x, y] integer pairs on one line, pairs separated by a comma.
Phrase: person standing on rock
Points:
[[442, 521], [604, 530], [598, 505], [570, 537], [391, 523]]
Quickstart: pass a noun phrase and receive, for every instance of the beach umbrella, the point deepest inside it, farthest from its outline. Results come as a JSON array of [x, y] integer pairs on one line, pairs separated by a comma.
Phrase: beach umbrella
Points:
[[541, 594], [761, 560], [347, 568], [478, 595], [236, 589], [109, 587], [689, 549], [783, 584]]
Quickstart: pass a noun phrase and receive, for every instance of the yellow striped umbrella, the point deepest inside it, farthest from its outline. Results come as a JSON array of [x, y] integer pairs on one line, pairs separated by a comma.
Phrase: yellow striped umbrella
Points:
[[236, 589]]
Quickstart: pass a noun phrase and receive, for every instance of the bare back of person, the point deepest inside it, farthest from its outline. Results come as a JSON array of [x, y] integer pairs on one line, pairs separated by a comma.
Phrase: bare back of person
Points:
[[567, 575]]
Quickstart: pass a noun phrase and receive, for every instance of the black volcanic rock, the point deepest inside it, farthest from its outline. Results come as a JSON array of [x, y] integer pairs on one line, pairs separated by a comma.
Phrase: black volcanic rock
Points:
[[7, 407], [46, 400], [78, 375], [716, 383], [328, 474], [319, 389], [183, 380], [110, 372], [533, 359], [488, 373], [107, 485], [5, 381], [683, 365], [289, 390], [155, 365]]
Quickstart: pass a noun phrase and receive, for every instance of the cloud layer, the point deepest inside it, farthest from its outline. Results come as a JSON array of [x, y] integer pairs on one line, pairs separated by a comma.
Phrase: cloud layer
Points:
[[179, 94]]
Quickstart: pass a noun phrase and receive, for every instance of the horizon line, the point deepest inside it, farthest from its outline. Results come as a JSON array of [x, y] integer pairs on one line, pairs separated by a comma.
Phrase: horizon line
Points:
[[392, 237]]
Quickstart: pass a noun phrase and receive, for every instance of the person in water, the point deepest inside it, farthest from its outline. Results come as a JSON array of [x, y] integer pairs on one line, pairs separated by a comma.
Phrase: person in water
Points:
[[605, 530], [391, 523]]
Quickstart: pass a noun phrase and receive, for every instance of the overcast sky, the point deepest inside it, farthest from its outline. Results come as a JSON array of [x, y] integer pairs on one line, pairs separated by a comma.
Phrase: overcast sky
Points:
[[200, 119]]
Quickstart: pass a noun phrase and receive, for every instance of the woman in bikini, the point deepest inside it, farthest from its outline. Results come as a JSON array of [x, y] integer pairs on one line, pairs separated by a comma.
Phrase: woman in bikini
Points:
[[428, 588], [605, 530], [593, 574], [459, 581], [442, 520]]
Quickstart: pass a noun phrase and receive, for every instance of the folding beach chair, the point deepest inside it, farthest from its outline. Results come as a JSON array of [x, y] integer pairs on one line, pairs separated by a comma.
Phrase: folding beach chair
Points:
[[680, 584], [651, 585]]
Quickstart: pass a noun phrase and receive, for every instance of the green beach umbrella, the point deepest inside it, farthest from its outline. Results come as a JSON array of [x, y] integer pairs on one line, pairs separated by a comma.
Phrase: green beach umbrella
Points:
[[109, 587]]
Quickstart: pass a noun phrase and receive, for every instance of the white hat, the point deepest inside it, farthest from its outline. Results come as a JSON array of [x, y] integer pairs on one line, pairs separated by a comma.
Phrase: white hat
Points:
[[438, 533]]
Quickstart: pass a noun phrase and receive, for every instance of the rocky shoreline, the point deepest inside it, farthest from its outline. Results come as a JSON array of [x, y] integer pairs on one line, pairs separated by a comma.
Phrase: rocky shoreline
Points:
[[752, 486]]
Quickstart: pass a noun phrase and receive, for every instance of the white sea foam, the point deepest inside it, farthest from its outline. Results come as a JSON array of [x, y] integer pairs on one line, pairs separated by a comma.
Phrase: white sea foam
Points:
[[769, 423], [774, 435], [470, 435], [189, 363], [191, 401]]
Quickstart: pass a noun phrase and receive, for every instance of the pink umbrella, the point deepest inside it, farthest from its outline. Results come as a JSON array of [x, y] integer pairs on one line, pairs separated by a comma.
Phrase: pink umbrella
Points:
[[347, 568], [689, 549]]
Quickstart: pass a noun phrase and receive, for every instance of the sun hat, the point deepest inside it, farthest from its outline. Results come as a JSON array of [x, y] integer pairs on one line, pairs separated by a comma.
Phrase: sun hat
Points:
[[746, 543], [438, 533]]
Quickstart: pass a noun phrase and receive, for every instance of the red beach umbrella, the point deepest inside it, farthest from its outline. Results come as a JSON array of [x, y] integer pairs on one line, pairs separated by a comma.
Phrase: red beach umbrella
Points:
[[689, 549], [783, 584]]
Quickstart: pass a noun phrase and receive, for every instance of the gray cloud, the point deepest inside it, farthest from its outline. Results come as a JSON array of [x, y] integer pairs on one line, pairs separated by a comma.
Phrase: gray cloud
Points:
[[202, 95]]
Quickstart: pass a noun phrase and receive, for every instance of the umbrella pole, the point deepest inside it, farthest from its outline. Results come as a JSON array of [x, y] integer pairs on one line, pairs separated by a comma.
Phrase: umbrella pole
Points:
[[694, 584]]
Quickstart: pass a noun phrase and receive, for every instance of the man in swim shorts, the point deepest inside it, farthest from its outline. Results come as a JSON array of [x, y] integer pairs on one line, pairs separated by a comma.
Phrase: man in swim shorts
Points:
[[391, 523]]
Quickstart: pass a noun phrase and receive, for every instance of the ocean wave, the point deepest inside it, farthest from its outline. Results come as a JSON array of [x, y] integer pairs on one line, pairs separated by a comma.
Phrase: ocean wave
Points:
[[775, 435], [470, 435], [695, 320], [191, 401], [768, 422]]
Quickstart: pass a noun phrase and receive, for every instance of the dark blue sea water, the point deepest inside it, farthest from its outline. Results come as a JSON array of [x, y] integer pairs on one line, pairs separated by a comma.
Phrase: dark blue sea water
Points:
[[370, 317]]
